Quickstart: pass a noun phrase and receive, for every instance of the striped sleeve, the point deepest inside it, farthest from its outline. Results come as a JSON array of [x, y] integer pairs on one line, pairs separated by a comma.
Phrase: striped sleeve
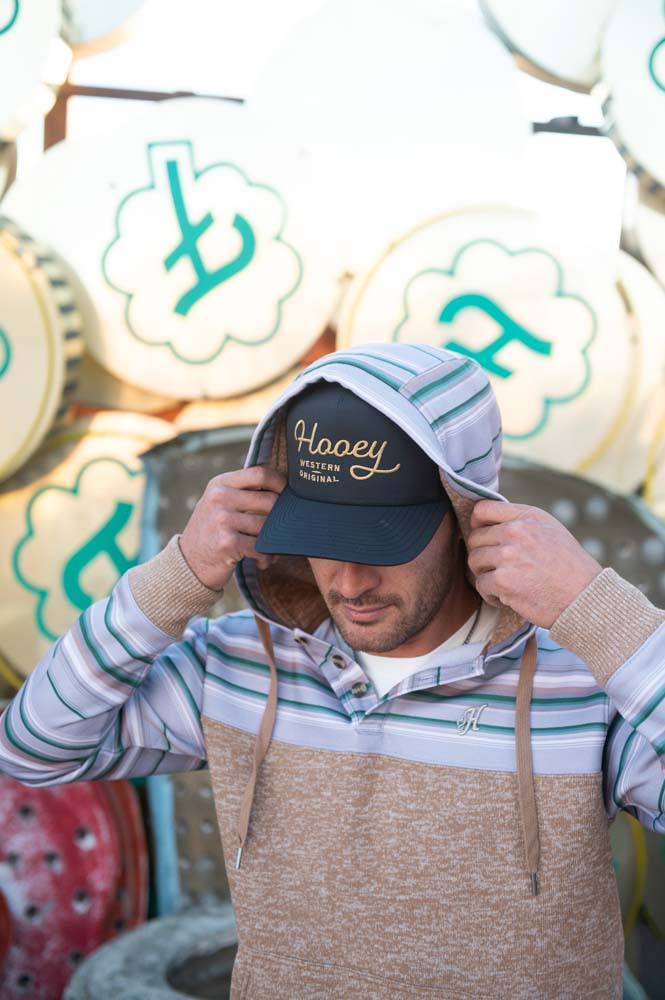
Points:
[[115, 697], [621, 636]]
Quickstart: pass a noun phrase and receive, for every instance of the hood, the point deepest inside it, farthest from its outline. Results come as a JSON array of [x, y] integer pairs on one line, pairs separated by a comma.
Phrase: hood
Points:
[[442, 400]]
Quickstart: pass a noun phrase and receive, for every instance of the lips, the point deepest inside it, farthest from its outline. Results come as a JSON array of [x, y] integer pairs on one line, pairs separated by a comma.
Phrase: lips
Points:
[[364, 614]]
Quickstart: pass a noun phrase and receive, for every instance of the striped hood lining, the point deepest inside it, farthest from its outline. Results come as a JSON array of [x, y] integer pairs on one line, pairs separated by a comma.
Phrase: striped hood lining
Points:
[[444, 401]]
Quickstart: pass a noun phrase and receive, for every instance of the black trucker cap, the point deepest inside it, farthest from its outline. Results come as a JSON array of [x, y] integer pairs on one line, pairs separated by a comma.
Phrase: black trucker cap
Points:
[[359, 488]]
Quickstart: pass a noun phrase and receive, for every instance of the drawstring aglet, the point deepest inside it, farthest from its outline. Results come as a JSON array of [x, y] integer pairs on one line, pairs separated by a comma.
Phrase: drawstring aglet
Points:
[[238, 857], [534, 883]]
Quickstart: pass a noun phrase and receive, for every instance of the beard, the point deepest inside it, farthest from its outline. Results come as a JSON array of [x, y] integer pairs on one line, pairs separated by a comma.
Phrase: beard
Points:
[[404, 622]]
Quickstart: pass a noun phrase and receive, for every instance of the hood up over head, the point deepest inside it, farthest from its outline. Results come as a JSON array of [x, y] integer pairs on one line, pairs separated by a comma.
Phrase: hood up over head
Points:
[[445, 403]]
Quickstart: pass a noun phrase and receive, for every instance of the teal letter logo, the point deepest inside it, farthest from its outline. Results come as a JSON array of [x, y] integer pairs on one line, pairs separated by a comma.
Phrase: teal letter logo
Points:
[[510, 331], [200, 257], [189, 246], [510, 311], [103, 543], [7, 20], [5, 352], [78, 541]]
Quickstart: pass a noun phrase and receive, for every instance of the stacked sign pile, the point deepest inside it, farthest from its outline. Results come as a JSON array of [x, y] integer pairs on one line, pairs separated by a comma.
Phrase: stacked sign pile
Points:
[[175, 276]]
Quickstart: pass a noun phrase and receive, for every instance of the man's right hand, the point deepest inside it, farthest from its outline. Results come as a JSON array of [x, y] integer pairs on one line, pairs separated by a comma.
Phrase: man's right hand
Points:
[[226, 521]]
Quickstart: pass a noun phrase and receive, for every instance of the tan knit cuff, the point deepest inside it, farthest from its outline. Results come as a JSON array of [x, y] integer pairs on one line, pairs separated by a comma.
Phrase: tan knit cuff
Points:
[[168, 592], [607, 623]]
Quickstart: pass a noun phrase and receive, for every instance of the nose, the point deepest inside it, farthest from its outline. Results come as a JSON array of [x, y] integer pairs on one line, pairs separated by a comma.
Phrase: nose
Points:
[[354, 579]]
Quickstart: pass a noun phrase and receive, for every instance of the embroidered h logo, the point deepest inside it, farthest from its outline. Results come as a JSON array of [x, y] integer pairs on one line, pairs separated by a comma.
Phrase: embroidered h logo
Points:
[[469, 719]]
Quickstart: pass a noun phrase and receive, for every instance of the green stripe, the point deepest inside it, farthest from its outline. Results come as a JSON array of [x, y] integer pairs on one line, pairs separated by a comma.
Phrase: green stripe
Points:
[[62, 699], [45, 739], [120, 638], [479, 458], [508, 699], [282, 701], [345, 357], [661, 807], [541, 649], [115, 672], [648, 708], [153, 770], [193, 659], [168, 662], [16, 742], [620, 769], [370, 371], [263, 668], [427, 390], [450, 723], [116, 754], [460, 408]]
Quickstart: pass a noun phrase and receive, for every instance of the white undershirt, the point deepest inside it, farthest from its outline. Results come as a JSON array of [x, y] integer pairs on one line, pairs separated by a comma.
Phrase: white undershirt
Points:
[[386, 671]]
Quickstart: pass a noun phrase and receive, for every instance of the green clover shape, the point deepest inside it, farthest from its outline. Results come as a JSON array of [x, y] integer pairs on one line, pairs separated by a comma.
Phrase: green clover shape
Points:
[[190, 235], [548, 401]]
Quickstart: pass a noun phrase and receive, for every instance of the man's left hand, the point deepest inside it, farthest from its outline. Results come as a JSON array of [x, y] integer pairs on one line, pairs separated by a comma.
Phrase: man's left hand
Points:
[[525, 558]]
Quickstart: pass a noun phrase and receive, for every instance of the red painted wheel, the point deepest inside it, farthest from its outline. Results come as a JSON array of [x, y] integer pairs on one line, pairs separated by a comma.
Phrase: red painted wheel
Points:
[[60, 865], [5, 930], [129, 907]]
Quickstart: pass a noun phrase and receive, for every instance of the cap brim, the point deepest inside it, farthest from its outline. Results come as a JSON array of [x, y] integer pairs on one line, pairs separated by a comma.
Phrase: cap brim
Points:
[[374, 536]]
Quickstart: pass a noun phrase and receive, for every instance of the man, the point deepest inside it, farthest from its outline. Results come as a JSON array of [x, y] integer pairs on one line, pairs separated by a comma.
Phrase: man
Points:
[[413, 776]]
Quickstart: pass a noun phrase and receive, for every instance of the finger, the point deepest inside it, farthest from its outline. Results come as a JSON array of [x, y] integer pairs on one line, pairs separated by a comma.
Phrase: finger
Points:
[[245, 524], [248, 501], [254, 477], [492, 534], [487, 558], [485, 584], [497, 512]]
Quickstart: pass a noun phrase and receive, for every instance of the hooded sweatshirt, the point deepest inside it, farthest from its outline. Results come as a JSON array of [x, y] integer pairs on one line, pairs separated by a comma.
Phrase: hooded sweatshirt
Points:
[[447, 839]]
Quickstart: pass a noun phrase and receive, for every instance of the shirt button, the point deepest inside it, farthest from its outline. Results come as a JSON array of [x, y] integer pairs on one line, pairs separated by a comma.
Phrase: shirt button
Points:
[[339, 661], [359, 688], [300, 639]]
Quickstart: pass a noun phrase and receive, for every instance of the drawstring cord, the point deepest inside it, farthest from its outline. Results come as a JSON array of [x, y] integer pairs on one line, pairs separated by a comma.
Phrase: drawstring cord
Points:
[[525, 780], [262, 739], [526, 790]]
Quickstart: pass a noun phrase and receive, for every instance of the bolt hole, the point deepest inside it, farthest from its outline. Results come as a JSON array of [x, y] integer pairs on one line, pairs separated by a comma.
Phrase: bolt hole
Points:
[[24, 981], [84, 838], [119, 924], [32, 912], [51, 858], [13, 859], [81, 901], [76, 957], [26, 811]]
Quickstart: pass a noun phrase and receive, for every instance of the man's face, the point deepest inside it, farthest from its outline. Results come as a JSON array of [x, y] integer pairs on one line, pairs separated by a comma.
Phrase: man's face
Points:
[[379, 608]]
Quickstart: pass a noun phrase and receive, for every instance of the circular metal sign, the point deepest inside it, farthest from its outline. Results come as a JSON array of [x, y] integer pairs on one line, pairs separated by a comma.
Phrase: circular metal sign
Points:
[[199, 244], [40, 345], [69, 527], [556, 41], [539, 311], [633, 72], [28, 38], [93, 24]]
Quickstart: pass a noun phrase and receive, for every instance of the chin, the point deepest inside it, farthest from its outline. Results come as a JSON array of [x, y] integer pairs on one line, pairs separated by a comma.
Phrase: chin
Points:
[[372, 637]]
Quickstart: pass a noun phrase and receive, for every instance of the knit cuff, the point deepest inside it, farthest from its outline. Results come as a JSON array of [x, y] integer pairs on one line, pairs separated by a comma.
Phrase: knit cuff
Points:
[[168, 592], [606, 624]]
